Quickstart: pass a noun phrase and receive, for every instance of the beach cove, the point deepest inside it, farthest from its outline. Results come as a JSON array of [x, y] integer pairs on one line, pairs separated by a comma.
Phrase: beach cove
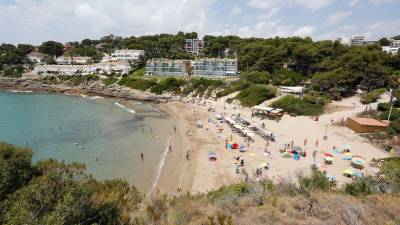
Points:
[[107, 135], [181, 161]]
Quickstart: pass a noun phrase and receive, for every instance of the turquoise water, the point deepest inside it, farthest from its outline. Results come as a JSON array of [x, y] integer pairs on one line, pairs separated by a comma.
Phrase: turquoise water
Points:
[[101, 133]]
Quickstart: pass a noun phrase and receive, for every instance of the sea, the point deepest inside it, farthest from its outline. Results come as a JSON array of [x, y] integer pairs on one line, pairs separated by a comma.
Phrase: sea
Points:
[[107, 135]]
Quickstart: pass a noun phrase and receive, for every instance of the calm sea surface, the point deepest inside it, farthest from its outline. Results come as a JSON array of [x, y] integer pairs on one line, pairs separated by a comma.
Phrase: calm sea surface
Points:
[[106, 135]]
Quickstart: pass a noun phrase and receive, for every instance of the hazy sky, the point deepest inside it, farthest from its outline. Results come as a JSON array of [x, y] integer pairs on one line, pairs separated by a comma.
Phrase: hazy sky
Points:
[[35, 21]]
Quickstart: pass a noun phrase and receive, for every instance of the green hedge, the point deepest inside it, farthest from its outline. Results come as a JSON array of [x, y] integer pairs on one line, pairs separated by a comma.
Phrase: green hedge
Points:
[[299, 106]]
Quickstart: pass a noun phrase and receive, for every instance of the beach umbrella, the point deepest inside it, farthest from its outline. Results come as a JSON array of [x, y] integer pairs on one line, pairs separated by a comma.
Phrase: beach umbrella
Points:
[[286, 155], [358, 161], [328, 159], [348, 172], [347, 156], [328, 155]]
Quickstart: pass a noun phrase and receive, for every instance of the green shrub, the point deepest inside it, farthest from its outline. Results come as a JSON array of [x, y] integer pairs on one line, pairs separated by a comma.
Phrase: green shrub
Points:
[[384, 106], [171, 84], [110, 80], [236, 190], [137, 83], [394, 128], [256, 94], [299, 106], [257, 77], [395, 115], [287, 78], [79, 79], [316, 181], [372, 96], [235, 86], [396, 103], [359, 187]]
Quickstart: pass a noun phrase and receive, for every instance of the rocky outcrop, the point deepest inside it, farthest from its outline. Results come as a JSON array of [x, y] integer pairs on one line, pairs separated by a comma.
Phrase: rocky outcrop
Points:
[[92, 88]]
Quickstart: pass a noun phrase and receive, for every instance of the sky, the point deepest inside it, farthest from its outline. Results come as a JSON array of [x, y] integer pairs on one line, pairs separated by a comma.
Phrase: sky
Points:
[[35, 21]]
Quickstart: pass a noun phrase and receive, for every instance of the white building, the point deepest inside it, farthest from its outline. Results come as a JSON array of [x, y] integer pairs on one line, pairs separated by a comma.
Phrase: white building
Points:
[[129, 55], [194, 46], [391, 49], [72, 60], [395, 43], [119, 67], [357, 40], [36, 57]]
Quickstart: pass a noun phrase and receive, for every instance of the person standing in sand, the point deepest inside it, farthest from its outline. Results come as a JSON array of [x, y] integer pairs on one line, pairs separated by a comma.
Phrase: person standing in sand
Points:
[[316, 143], [142, 156]]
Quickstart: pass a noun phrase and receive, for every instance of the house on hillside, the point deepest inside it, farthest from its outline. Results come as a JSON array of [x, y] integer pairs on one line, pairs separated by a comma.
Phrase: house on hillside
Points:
[[36, 57]]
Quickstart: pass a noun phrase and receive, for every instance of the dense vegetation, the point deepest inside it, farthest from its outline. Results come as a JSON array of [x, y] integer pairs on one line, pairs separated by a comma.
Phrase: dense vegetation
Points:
[[53, 192], [299, 106], [256, 94]]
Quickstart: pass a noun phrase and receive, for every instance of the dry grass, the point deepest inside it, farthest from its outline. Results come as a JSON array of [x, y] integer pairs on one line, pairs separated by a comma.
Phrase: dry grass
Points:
[[275, 208]]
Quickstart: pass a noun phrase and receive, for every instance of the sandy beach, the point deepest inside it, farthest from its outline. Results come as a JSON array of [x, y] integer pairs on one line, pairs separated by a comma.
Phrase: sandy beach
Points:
[[199, 174]]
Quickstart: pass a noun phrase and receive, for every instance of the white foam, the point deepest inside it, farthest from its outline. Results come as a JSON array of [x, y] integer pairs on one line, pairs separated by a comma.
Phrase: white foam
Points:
[[160, 167], [16, 91], [96, 97], [126, 108]]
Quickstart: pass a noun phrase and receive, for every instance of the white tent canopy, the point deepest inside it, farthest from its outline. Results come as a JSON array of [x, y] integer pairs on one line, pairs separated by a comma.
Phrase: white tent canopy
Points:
[[294, 90]]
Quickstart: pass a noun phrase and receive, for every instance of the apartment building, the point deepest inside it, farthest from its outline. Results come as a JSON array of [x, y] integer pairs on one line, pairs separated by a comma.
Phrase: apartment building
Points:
[[215, 67], [70, 70], [129, 55], [72, 60], [167, 67], [357, 40], [394, 50], [194, 46]]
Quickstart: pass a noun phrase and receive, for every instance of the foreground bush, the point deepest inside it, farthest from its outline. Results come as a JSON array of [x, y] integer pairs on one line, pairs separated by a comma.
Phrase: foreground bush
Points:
[[59, 193], [372, 96], [298, 106]]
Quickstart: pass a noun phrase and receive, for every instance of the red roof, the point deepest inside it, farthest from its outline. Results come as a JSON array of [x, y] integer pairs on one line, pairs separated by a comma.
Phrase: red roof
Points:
[[369, 122]]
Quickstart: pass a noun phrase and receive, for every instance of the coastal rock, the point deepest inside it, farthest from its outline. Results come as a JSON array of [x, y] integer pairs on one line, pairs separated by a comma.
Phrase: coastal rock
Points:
[[95, 88]]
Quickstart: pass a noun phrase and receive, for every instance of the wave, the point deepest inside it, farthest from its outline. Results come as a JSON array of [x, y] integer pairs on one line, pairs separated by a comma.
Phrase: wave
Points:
[[160, 167], [96, 97], [126, 108], [16, 91]]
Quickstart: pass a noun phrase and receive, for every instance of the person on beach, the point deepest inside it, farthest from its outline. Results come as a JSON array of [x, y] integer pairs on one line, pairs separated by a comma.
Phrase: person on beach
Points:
[[316, 143], [142, 156], [226, 144], [174, 128], [305, 142], [169, 148]]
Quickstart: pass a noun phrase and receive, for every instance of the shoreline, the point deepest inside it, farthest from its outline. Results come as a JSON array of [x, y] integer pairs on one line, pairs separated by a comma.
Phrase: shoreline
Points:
[[198, 175]]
